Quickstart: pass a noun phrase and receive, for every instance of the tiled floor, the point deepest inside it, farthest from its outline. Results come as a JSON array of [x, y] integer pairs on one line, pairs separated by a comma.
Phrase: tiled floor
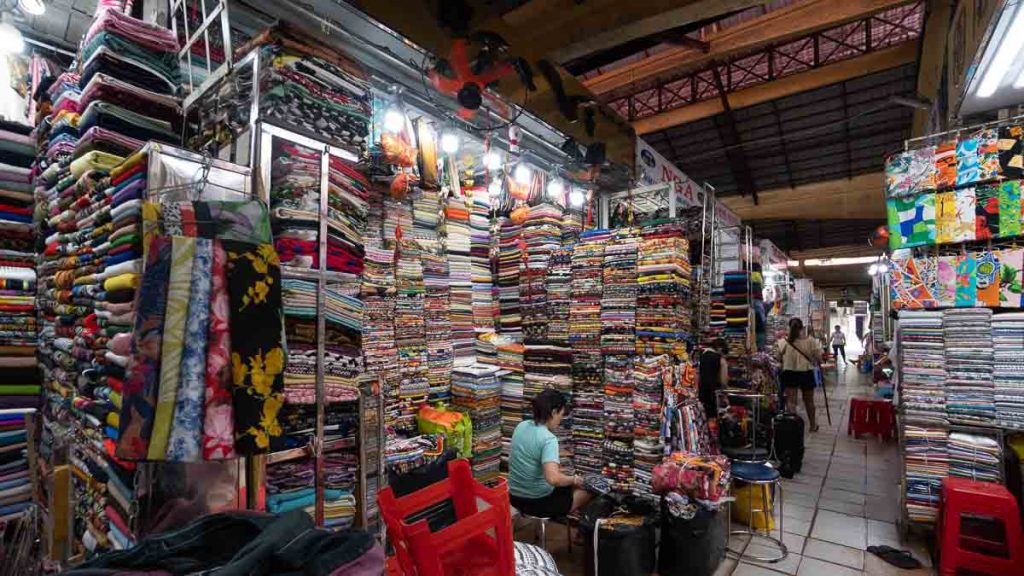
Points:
[[844, 500]]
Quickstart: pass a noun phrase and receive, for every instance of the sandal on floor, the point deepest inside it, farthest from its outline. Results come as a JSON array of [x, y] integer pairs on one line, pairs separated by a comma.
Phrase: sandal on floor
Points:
[[898, 558], [815, 429]]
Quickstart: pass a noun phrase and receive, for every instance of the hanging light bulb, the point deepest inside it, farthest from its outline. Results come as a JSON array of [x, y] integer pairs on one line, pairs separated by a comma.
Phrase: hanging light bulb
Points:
[[450, 140], [492, 160], [11, 41], [522, 173], [577, 198], [33, 7], [394, 119], [494, 188], [873, 269], [555, 188]]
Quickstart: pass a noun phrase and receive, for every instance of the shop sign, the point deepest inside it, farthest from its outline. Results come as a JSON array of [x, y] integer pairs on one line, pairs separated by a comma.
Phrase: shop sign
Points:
[[653, 168]]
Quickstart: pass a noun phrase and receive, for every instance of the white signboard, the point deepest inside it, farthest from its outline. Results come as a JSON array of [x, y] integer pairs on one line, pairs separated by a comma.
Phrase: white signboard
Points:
[[653, 168]]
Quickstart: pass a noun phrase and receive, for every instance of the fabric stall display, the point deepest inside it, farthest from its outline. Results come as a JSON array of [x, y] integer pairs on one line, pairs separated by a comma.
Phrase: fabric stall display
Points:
[[15, 483], [510, 262], [663, 275], [315, 91], [558, 285], [513, 401], [619, 294], [398, 221], [974, 456], [485, 309], [437, 327], [923, 371], [737, 308], [650, 374], [926, 462], [760, 315], [541, 234], [690, 481], [967, 335], [718, 317], [587, 361], [102, 498], [460, 273], [410, 336], [981, 277], [1008, 369], [550, 366], [694, 436], [619, 431], [379, 350], [405, 454], [426, 213], [476, 391]]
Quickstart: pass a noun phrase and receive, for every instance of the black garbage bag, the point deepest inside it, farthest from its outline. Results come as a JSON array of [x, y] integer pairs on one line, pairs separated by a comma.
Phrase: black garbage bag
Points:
[[692, 547], [622, 550], [442, 514]]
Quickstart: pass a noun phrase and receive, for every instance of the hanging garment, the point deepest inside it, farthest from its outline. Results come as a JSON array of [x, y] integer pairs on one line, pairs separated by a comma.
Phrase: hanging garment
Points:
[[912, 221], [187, 426], [986, 212], [910, 173], [945, 294], [986, 273], [945, 165], [138, 400], [966, 287], [977, 159], [966, 209], [218, 419], [1011, 264], [912, 283], [1009, 209], [945, 217], [257, 355], [1011, 151]]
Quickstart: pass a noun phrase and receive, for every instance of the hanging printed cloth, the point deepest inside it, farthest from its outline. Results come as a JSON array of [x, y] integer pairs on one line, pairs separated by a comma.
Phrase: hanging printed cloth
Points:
[[945, 165], [986, 210], [138, 399], [946, 281], [911, 221], [986, 273], [966, 287], [219, 415], [910, 173], [257, 355], [1011, 151], [977, 159], [945, 217], [1009, 209], [966, 212], [912, 282], [1011, 264]]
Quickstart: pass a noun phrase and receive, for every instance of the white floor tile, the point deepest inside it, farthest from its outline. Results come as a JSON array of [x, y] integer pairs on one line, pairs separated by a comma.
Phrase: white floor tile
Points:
[[815, 567], [840, 529], [834, 553]]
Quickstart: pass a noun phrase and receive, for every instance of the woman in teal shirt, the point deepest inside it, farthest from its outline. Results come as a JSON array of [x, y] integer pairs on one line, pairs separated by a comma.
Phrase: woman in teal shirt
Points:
[[537, 486]]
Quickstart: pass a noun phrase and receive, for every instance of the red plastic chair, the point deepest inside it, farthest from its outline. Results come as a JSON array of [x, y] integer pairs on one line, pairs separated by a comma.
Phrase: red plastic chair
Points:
[[871, 416], [962, 497], [478, 544]]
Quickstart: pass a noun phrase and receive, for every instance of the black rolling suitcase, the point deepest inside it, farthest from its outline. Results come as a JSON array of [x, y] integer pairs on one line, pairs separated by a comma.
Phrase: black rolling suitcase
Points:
[[789, 443]]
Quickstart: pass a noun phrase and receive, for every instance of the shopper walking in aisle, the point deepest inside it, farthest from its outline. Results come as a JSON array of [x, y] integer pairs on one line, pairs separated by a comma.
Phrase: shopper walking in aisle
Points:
[[714, 375], [839, 344], [799, 355], [537, 486]]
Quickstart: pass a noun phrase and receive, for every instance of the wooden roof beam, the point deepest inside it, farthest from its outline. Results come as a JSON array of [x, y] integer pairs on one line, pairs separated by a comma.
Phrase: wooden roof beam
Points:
[[938, 14], [775, 27], [870, 63], [859, 197]]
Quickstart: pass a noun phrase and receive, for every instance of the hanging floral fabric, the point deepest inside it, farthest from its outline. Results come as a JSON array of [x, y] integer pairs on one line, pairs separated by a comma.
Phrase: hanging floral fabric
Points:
[[1009, 209], [1011, 265], [986, 225], [966, 287], [966, 208], [1011, 151], [910, 173], [913, 219], [977, 159], [986, 278], [945, 217], [945, 294], [945, 164], [218, 419], [912, 283]]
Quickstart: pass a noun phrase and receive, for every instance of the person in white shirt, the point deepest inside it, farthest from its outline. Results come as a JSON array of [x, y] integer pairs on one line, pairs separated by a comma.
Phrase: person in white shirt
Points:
[[839, 344]]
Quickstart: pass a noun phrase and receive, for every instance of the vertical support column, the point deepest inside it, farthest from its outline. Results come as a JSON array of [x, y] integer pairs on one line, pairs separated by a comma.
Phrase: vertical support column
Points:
[[321, 330]]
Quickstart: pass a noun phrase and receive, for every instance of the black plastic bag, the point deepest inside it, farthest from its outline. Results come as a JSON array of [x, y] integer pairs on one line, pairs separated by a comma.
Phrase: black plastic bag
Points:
[[621, 550], [692, 547]]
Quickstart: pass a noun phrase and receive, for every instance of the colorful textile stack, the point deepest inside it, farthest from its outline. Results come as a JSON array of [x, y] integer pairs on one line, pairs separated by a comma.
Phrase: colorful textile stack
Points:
[[510, 320], [410, 336], [438, 328], [558, 285], [397, 217], [476, 391], [460, 274], [302, 90], [542, 233], [737, 311], [513, 403], [649, 377], [380, 351], [926, 461], [967, 334], [1008, 369], [663, 310], [587, 361], [15, 484], [718, 315], [923, 372], [975, 457], [550, 366], [341, 469], [485, 310], [405, 454], [619, 432], [426, 213], [619, 294], [694, 476]]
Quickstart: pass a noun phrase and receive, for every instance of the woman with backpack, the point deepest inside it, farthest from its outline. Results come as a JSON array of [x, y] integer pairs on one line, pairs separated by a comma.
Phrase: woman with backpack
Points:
[[799, 355]]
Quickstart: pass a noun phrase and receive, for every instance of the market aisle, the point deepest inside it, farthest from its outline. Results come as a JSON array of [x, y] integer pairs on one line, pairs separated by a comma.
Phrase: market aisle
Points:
[[844, 500]]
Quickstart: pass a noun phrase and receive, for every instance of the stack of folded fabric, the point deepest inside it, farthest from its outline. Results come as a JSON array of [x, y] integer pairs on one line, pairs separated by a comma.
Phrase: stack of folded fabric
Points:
[[1008, 369], [619, 294], [397, 220], [558, 285], [718, 320], [315, 91], [426, 213], [379, 349], [550, 366], [291, 485], [487, 347], [509, 263], [438, 327], [340, 471], [15, 484], [619, 426], [513, 403], [485, 309], [736, 287], [926, 462], [295, 204], [975, 456], [542, 233], [587, 361], [923, 370], [476, 390], [403, 455], [410, 336], [967, 333], [663, 311], [460, 272], [649, 376]]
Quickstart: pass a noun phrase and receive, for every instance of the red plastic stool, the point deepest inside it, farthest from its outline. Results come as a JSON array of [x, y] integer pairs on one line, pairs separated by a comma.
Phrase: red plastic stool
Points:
[[871, 416], [962, 497]]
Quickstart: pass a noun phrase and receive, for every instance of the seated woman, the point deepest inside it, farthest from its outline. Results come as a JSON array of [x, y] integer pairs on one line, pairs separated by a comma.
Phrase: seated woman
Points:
[[537, 486]]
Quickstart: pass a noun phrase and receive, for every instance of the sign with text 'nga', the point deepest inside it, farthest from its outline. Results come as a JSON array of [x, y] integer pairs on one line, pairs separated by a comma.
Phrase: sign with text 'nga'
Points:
[[653, 168]]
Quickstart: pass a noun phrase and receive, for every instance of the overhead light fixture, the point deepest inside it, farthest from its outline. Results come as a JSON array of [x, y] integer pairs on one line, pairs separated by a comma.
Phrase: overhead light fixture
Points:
[[394, 119], [1008, 52], [492, 160], [11, 41], [450, 140], [495, 187], [555, 188], [577, 198], [873, 269], [522, 173], [32, 7]]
